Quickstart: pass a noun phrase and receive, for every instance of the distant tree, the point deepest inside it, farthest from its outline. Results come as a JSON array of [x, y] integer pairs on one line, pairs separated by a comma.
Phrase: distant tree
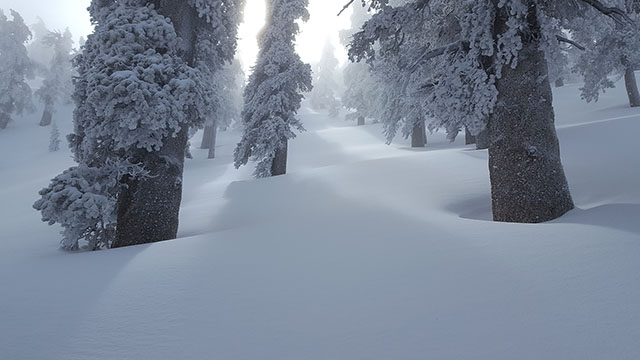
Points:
[[54, 140], [56, 86], [361, 90], [274, 91], [228, 84], [611, 49], [40, 53], [15, 68], [325, 85]]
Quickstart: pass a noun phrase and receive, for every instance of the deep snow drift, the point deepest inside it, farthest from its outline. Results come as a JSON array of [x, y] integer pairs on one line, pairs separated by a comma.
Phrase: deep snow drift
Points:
[[364, 251]]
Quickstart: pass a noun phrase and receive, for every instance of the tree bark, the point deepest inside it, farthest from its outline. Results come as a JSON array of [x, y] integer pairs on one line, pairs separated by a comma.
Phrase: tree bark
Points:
[[528, 183], [468, 138], [418, 135], [559, 82], [632, 87], [212, 142], [482, 140], [148, 208], [206, 137], [279, 164], [360, 120]]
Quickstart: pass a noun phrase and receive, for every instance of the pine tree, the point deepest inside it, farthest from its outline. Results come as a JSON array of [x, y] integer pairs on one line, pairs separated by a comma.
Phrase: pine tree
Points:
[[141, 86], [274, 91], [495, 69], [54, 140], [15, 68], [56, 86], [325, 85]]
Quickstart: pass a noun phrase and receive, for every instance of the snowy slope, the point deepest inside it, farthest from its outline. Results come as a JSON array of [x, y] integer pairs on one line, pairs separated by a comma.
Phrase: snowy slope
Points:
[[364, 251]]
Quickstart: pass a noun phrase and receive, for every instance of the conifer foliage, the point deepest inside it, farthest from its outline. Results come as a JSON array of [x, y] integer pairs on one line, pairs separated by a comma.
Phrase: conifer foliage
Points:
[[274, 91], [15, 68]]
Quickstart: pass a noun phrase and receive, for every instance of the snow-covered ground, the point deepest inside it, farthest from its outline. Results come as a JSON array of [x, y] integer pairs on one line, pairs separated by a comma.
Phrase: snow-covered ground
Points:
[[363, 251]]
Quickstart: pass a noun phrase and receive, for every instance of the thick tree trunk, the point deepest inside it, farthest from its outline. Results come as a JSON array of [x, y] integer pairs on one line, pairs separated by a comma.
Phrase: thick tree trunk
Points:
[[632, 87], [4, 120], [360, 120], [528, 183], [206, 137], [279, 165], [418, 135], [148, 209], [482, 139], [468, 138], [212, 142]]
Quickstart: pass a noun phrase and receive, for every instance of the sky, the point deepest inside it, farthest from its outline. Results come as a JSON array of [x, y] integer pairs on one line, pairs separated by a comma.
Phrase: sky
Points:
[[324, 24]]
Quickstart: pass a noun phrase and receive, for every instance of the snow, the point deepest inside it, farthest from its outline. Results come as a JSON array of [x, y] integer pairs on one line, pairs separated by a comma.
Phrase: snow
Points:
[[363, 251]]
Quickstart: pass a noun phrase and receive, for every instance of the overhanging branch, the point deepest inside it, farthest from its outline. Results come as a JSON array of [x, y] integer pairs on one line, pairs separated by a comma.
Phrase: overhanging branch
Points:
[[617, 14], [571, 42]]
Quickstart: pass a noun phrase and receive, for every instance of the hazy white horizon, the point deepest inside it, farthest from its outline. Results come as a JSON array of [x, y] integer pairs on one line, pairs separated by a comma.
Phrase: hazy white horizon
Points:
[[324, 24]]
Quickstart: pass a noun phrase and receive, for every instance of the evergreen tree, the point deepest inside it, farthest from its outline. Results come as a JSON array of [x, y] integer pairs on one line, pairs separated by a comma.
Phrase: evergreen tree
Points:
[[56, 86], [141, 87], [496, 69], [325, 85], [360, 92], [40, 53], [274, 91], [54, 140], [15, 68]]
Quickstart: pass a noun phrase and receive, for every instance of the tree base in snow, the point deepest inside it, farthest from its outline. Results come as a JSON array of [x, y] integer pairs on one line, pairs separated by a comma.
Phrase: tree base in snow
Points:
[[46, 118], [418, 135], [360, 120]]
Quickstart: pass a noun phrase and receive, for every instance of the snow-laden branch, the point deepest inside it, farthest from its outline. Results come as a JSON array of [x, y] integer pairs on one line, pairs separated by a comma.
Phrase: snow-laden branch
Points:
[[570, 42], [613, 12]]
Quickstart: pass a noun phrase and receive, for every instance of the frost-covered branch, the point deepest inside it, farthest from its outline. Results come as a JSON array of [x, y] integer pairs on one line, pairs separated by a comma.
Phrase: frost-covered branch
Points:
[[571, 42], [613, 12]]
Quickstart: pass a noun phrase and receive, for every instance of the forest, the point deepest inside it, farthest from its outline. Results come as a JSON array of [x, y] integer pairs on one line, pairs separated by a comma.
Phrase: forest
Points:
[[320, 179]]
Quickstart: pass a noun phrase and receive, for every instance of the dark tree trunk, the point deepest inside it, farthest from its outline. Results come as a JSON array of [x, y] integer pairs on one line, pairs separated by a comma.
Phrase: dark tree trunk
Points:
[[279, 165], [4, 120], [360, 120], [528, 184], [468, 138], [559, 82], [148, 209], [418, 135], [212, 142], [482, 139], [632, 87], [47, 114], [206, 137]]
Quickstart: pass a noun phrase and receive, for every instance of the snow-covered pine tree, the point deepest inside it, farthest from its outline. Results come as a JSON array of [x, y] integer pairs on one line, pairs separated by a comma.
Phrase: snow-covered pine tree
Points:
[[274, 91], [228, 84], [15, 68], [360, 92], [54, 139], [325, 85], [40, 53], [611, 49], [495, 69], [56, 86], [141, 87]]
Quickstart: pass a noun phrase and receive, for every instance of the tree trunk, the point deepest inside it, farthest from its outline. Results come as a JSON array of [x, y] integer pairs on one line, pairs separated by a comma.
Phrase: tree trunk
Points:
[[206, 137], [4, 120], [528, 183], [212, 142], [632, 87], [148, 209], [279, 164], [468, 138], [360, 120], [418, 135], [482, 139], [47, 114]]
